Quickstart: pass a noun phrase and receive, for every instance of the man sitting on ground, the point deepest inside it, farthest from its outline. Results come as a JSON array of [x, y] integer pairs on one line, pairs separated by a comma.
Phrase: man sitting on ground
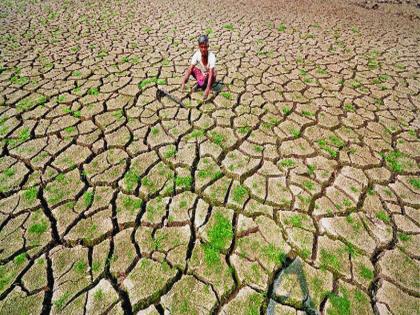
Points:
[[202, 67]]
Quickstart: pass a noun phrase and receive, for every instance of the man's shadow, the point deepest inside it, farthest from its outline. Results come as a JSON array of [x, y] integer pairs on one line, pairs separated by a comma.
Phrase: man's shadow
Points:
[[294, 268]]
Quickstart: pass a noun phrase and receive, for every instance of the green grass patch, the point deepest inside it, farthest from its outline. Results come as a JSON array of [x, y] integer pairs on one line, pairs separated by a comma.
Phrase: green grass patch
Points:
[[131, 179], [80, 267], [339, 305], [219, 235], [393, 160], [61, 301], [308, 184], [325, 147], [415, 182], [38, 228], [131, 204], [151, 81], [88, 198], [9, 172], [226, 95], [217, 138], [30, 194], [228, 27], [295, 133], [170, 152], [349, 107], [154, 131], [366, 273], [274, 254], [20, 259], [329, 261], [244, 130], [310, 169], [286, 111], [281, 27], [295, 220], [383, 216], [287, 163], [183, 181], [197, 133], [93, 91], [404, 237], [239, 193]]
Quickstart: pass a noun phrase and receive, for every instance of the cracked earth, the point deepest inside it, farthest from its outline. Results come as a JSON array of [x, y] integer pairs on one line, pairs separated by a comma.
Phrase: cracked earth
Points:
[[293, 189]]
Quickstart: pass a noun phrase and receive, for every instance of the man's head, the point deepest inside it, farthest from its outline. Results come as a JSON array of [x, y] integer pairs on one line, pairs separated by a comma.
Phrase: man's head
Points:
[[203, 44]]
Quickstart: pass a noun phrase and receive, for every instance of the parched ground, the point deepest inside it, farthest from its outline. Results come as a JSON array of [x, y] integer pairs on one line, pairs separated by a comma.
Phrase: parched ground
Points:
[[295, 188]]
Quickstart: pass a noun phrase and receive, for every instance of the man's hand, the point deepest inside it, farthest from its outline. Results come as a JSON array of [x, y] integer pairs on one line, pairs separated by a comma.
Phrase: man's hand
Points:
[[206, 93]]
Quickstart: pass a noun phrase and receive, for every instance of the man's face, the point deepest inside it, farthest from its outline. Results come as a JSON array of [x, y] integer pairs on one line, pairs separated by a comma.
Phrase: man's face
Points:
[[204, 47]]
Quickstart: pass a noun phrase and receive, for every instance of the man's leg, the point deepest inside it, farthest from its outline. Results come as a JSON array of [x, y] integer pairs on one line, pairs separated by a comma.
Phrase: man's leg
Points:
[[199, 76]]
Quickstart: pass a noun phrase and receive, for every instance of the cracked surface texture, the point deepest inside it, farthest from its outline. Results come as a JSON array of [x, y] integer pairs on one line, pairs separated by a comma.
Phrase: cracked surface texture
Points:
[[293, 189]]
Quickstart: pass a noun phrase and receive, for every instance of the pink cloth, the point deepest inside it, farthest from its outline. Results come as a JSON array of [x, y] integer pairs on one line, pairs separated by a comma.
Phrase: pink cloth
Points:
[[199, 76]]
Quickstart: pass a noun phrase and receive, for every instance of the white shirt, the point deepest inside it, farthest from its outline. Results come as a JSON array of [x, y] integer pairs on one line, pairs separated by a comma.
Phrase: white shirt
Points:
[[211, 61]]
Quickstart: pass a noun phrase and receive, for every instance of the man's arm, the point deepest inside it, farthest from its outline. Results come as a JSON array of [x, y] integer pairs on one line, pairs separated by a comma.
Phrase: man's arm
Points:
[[186, 76], [209, 82]]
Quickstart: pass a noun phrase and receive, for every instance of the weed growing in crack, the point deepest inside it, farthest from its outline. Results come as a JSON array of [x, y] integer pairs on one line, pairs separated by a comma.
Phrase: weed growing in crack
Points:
[[219, 235], [93, 91], [30, 194], [325, 147], [131, 204], [244, 130], [80, 267], [274, 254], [295, 133], [286, 111], [9, 172], [99, 295], [154, 131], [308, 113], [366, 273], [308, 184], [102, 53], [228, 27], [310, 169], [19, 259], [393, 160], [383, 216], [38, 228], [18, 79], [415, 182], [295, 220], [329, 261], [197, 133], [349, 107], [339, 305], [281, 28], [217, 138], [226, 95], [151, 81], [404, 237], [258, 148], [287, 163], [183, 182], [170, 152], [61, 301], [239, 193], [87, 199]]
